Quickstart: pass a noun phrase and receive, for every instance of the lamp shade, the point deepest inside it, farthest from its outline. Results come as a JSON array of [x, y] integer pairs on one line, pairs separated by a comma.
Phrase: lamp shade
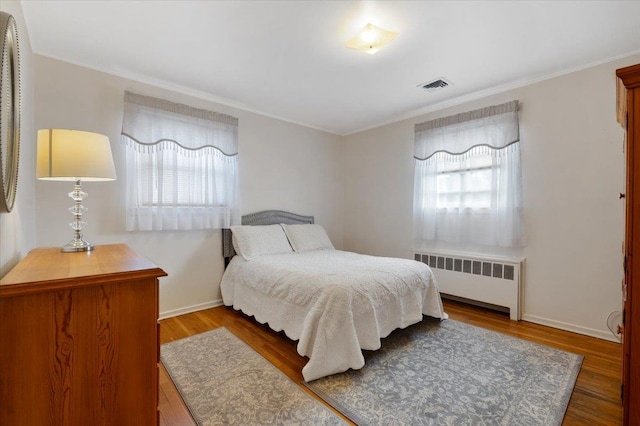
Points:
[[72, 155]]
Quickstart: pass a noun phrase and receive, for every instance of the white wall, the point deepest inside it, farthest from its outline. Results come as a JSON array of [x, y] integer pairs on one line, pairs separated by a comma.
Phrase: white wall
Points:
[[282, 166], [17, 229], [573, 170]]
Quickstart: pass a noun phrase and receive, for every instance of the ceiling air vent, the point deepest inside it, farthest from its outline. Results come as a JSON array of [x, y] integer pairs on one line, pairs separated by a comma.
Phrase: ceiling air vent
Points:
[[437, 84]]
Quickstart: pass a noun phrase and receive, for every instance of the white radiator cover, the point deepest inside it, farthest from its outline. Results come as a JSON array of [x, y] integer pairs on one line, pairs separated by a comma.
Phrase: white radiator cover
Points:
[[488, 279]]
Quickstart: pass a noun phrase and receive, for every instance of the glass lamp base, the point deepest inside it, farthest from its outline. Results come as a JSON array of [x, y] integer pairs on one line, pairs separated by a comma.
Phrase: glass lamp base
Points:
[[77, 245]]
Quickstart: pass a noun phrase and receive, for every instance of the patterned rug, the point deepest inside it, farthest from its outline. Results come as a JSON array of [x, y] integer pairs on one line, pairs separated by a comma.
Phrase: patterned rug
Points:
[[450, 373], [225, 382]]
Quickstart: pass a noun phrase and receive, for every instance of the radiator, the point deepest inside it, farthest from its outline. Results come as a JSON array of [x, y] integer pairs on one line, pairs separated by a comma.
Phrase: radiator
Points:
[[493, 281]]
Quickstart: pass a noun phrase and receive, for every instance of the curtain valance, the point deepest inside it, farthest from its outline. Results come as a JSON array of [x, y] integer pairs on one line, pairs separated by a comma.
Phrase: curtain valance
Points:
[[494, 127], [153, 125]]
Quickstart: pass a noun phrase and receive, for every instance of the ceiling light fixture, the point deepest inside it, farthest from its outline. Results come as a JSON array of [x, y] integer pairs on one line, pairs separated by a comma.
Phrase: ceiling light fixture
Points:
[[371, 39]]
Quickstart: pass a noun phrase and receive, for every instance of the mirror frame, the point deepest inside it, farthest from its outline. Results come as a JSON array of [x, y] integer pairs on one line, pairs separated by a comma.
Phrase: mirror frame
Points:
[[10, 111]]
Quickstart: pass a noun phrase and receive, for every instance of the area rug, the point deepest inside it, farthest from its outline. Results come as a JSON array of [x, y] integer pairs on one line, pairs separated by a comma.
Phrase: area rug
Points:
[[450, 373], [223, 381]]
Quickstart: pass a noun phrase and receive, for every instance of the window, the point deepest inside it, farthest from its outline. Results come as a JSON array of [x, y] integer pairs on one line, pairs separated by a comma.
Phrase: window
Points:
[[468, 184], [464, 183], [180, 180], [182, 166]]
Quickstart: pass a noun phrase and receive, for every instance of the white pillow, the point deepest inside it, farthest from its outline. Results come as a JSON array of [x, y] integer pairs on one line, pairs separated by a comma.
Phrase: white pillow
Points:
[[307, 237], [253, 241]]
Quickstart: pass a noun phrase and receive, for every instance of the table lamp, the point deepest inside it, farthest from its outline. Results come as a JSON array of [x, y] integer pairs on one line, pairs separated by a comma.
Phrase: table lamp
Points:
[[74, 155]]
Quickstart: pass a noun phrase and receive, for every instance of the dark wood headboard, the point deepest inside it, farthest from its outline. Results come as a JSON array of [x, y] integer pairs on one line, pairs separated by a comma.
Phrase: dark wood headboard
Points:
[[266, 217]]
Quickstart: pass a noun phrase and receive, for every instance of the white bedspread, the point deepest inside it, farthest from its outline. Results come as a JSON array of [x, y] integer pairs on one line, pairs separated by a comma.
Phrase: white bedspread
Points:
[[335, 303]]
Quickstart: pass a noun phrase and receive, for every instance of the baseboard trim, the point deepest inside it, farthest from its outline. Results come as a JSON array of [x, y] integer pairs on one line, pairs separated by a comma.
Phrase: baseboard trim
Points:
[[570, 327], [189, 309]]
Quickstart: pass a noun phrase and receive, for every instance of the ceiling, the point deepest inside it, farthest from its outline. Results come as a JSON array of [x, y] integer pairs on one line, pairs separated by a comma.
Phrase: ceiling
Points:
[[287, 59]]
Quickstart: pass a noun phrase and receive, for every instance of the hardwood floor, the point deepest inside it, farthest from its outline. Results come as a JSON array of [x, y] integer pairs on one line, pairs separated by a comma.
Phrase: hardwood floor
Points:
[[595, 399]]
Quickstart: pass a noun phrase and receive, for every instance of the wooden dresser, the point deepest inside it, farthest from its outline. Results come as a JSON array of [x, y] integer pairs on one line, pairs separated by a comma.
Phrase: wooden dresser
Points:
[[629, 116], [79, 339]]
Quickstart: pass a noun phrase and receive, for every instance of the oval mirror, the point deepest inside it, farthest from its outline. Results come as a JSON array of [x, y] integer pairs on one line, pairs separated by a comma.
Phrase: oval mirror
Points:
[[10, 111]]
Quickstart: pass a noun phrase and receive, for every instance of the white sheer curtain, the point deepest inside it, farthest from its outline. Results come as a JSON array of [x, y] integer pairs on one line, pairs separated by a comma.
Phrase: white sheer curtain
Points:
[[468, 181], [182, 166]]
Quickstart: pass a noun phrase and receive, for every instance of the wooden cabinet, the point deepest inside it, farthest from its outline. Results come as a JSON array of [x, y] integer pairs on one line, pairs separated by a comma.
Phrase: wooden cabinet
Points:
[[629, 115], [79, 340]]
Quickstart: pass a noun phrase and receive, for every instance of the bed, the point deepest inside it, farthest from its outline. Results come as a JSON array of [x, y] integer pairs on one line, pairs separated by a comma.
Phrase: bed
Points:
[[334, 303]]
